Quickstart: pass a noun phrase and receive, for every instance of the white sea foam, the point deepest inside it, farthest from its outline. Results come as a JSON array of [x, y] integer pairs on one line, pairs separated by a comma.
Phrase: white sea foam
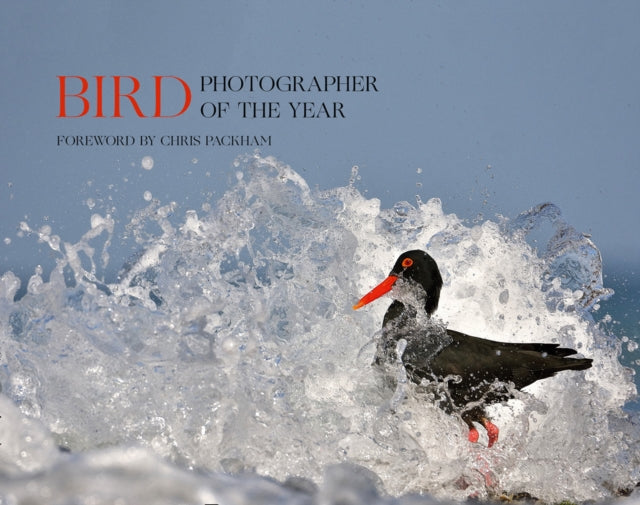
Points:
[[229, 345]]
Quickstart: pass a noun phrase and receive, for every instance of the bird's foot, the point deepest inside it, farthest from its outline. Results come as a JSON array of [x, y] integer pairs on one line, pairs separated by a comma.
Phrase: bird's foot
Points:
[[492, 431], [484, 468]]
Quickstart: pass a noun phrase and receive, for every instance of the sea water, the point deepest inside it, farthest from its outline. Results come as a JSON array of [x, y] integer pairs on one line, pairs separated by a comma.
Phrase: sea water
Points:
[[225, 364]]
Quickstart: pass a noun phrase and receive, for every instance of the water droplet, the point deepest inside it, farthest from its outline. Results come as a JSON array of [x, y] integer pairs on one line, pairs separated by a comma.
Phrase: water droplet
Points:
[[147, 196], [96, 220], [354, 175], [147, 163]]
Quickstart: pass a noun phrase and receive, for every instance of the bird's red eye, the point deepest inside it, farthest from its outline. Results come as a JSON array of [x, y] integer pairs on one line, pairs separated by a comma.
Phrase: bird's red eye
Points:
[[407, 262]]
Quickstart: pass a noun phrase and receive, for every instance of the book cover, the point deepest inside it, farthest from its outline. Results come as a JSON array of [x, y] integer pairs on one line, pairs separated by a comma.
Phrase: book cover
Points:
[[194, 195]]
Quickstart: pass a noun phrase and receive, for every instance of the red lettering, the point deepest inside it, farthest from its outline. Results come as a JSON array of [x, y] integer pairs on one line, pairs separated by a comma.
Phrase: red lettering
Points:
[[187, 95], [103, 90], [64, 95], [99, 79], [117, 95]]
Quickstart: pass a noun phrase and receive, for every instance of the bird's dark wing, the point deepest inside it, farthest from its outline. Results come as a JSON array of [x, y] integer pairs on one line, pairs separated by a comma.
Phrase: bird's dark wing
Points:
[[487, 360]]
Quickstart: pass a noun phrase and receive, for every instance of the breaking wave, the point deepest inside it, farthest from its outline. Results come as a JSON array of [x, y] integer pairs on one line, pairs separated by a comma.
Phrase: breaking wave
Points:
[[225, 365]]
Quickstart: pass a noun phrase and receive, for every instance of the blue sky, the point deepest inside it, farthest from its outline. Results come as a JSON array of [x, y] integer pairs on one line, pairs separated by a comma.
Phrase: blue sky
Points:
[[491, 106]]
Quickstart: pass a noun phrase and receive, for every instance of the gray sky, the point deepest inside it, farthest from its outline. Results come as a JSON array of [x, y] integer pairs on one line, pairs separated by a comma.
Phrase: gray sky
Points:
[[501, 105]]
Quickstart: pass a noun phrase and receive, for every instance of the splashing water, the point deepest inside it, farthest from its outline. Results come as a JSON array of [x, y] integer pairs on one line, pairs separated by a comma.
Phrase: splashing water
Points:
[[229, 345]]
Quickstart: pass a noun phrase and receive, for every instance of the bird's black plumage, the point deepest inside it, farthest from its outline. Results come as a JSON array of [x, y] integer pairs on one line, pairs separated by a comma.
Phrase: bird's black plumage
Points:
[[477, 372]]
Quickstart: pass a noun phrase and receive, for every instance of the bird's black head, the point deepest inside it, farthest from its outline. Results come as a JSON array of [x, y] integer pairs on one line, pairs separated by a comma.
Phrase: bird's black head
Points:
[[420, 270]]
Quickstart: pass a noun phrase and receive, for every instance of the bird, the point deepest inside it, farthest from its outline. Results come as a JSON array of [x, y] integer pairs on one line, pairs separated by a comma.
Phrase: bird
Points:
[[473, 372]]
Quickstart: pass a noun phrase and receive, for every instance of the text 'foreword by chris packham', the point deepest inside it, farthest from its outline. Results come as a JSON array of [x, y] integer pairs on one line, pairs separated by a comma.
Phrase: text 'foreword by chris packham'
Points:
[[163, 140], [222, 96]]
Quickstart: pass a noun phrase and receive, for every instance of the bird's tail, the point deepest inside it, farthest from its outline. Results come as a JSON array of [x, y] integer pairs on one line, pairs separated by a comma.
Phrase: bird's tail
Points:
[[575, 363]]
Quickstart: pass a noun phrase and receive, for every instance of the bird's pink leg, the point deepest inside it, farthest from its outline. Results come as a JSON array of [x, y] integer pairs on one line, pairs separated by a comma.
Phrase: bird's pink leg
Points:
[[492, 431], [473, 435]]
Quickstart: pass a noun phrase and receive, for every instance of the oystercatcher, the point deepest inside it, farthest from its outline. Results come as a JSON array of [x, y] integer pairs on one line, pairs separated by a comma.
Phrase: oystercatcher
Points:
[[473, 372]]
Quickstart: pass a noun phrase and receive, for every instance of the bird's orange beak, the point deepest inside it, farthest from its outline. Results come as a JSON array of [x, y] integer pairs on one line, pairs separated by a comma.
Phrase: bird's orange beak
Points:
[[377, 292]]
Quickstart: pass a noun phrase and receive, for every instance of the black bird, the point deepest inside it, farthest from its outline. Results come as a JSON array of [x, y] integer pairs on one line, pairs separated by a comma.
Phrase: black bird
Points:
[[475, 372]]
